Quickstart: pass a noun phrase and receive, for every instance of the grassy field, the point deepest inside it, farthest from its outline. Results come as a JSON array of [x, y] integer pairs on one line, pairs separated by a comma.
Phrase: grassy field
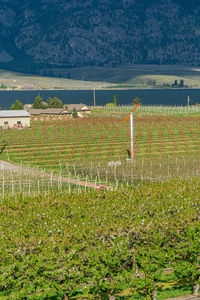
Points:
[[135, 76], [128, 243], [18, 81]]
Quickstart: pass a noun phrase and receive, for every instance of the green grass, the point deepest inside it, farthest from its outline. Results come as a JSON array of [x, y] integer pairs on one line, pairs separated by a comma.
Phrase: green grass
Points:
[[22, 81]]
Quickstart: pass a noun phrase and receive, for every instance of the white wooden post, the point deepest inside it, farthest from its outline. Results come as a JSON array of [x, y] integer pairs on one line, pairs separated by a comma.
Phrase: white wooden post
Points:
[[94, 97], [131, 124], [188, 101]]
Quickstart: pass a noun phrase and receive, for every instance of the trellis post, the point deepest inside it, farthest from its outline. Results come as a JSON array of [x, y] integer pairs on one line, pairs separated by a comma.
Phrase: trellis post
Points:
[[131, 125]]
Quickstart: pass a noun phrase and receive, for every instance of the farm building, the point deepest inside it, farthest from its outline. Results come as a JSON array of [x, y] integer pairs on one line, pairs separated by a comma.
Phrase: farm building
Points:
[[14, 119], [82, 109], [49, 114], [58, 113]]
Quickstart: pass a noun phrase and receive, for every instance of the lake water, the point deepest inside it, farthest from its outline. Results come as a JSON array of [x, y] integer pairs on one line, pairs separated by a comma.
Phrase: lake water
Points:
[[148, 97]]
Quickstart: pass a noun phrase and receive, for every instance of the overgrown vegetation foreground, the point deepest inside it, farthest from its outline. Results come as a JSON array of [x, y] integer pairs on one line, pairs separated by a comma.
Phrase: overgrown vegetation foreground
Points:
[[139, 239]]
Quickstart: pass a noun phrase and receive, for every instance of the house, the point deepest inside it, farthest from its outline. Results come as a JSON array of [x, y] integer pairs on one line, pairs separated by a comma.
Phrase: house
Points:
[[48, 114], [14, 119], [46, 111], [58, 113], [27, 106], [82, 109]]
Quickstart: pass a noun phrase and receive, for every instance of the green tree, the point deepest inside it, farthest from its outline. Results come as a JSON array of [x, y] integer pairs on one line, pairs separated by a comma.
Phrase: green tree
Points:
[[175, 83], [181, 84], [74, 113], [115, 100], [3, 86], [38, 103], [17, 105], [136, 100], [54, 103]]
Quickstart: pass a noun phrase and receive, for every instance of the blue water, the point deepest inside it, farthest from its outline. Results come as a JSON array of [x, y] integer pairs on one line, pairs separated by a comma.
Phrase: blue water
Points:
[[148, 97]]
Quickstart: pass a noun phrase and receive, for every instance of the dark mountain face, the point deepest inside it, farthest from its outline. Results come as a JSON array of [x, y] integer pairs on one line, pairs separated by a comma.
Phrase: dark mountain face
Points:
[[60, 33]]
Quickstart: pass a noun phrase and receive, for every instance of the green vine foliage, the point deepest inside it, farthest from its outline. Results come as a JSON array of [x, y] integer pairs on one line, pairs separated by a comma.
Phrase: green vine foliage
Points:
[[99, 243]]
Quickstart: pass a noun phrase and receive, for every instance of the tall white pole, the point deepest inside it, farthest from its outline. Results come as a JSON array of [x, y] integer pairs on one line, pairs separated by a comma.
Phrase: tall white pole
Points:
[[94, 97], [131, 124], [188, 102]]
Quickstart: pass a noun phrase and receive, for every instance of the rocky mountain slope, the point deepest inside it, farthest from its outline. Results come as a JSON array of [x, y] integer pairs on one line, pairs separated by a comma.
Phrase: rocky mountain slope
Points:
[[59, 33]]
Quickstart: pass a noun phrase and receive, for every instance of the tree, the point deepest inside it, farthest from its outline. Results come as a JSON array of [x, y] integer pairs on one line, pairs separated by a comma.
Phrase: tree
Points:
[[136, 101], [115, 100], [38, 103], [175, 83], [54, 103], [17, 105], [181, 84], [3, 86], [74, 113]]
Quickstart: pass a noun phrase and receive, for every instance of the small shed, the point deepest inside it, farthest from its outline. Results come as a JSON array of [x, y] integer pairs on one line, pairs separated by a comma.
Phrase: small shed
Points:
[[10, 119]]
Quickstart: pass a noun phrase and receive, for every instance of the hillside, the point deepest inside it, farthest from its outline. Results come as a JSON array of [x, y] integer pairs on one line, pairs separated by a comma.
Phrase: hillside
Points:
[[135, 76], [47, 34], [19, 81]]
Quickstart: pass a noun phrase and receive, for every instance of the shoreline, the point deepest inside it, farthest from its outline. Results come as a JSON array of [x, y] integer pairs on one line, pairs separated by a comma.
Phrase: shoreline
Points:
[[100, 89], [169, 97]]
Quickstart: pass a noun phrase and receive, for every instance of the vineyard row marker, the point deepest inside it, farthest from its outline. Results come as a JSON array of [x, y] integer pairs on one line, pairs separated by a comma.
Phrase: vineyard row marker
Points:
[[131, 126]]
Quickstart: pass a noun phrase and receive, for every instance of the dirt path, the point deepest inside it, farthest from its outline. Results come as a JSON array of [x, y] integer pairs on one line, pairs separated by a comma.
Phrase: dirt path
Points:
[[78, 182], [8, 166], [15, 168]]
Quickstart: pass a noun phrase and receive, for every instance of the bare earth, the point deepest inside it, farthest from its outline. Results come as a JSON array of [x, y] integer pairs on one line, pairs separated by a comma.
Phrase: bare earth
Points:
[[15, 168]]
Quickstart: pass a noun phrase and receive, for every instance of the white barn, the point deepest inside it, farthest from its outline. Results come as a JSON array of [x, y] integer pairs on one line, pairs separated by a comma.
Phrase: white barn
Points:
[[14, 119]]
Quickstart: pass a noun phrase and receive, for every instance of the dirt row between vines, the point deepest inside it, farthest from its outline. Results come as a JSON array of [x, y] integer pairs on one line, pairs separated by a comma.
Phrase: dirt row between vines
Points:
[[17, 169]]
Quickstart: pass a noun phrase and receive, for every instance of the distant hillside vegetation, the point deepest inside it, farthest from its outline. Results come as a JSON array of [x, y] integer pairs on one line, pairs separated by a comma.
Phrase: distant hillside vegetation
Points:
[[58, 33]]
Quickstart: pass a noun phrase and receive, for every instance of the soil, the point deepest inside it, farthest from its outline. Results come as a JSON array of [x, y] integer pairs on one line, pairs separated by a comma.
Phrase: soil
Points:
[[16, 168]]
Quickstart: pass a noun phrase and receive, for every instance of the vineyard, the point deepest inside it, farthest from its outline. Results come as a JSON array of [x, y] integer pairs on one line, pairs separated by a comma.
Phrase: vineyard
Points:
[[50, 145], [139, 238], [132, 243], [22, 180], [164, 147], [150, 110]]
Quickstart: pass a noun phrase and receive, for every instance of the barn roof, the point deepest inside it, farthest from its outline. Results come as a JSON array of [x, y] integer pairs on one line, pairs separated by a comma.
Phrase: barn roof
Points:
[[51, 111], [13, 113]]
